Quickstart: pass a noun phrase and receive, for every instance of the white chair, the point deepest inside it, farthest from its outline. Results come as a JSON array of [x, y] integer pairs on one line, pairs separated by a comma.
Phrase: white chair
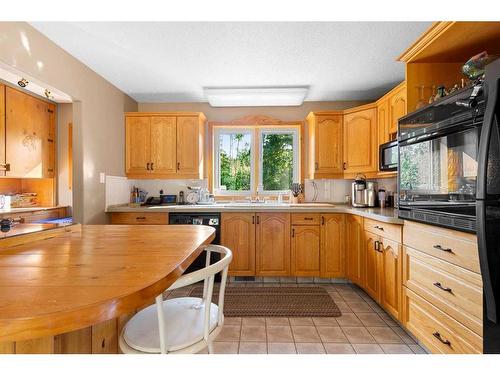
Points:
[[181, 325]]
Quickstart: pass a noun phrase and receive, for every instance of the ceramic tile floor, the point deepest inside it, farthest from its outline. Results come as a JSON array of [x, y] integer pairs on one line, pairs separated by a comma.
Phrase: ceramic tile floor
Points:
[[363, 328]]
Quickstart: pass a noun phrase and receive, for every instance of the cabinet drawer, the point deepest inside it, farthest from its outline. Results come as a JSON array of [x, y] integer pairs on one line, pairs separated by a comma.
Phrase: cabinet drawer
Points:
[[305, 219], [456, 291], [139, 218], [458, 248], [439, 332], [390, 231]]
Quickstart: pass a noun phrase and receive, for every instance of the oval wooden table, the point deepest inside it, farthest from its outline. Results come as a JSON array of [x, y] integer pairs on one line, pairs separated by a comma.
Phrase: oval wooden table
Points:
[[72, 290]]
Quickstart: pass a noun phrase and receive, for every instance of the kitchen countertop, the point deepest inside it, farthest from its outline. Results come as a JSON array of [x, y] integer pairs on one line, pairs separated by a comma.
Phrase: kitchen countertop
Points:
[[387, 215]]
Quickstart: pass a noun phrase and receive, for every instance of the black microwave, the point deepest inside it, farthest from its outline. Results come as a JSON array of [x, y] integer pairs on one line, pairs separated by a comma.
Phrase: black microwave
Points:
[[388, 156]]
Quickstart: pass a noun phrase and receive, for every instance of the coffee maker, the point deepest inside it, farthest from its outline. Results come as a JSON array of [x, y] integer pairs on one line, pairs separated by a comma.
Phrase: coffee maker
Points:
[[363, 193]]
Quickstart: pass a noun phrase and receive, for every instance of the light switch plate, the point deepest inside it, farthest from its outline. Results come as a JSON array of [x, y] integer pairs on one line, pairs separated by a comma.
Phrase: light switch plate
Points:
[[102, 177]]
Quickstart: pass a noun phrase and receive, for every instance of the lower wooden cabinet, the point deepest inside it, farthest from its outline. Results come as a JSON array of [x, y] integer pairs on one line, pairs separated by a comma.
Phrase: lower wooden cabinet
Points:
[[305, 255], [141, 218], [272, 244], [332, 245], [391, 276], [354, 247], [372, 265], [238, 234]]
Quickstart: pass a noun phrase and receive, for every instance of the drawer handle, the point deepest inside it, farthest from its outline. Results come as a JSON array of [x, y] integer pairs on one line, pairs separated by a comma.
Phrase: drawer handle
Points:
[[438, 285], [439, 247], [293, 232], [308, 218], [379, 228], [322, 220], [438, 336], [140, 218]]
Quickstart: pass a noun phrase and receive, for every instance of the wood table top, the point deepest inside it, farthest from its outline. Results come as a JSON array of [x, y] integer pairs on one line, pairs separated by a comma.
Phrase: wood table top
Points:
[[78, 279]]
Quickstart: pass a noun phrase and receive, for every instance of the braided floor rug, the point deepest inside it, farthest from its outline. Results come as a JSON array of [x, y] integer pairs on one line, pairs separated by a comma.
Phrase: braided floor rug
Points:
[[275, 301]]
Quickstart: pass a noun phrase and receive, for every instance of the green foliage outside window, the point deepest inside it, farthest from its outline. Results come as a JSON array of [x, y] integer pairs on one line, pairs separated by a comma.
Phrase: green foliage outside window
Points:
[[235, 164], [277, 161]]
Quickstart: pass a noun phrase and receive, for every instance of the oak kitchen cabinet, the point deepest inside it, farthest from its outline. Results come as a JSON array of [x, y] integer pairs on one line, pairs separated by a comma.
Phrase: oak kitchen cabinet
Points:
[[397, 107], [360, 140], [325, 157], [164, 145], [355, 249], [238, 234], [3, 166], [305, 246], [30, 127], [272, 244], [332, 249]]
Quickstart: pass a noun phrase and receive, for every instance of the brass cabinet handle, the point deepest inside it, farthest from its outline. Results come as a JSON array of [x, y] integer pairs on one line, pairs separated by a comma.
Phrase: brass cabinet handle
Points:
[[439, 247], [253, 219], [438, 285], [140, 218], [308, 218], [258, 219], [147, 166], [316, 166], [379, 228], [293, 232], [151, 166], [322, 220], [344, 166], [438, 336], [178, 166]]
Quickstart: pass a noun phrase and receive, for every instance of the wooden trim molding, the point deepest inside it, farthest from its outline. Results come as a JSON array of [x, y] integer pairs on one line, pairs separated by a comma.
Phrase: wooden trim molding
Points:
[[435, 31]]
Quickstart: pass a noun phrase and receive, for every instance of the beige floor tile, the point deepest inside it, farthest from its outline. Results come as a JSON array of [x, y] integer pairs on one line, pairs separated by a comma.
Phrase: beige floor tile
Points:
[[301, 321], [253, 347], [371, 320], [305, 334], [343, 307], [336, 296], [251, 321], [232, 321], [417, 349], [385, 335], [253, 333], [226, 347], [229, 333], [325, 321], [279, 334], [359, 306], [277, 321], [358, 335], [367, 349], [404, 336], [349, 320], [386, 318], [352, 297], [332, 334], [310, 348], [396, 349], [281, 348], [335, 348]]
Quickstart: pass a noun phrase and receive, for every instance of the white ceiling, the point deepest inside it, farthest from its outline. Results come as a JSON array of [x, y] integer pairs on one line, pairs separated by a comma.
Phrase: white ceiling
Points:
[[173, 61]]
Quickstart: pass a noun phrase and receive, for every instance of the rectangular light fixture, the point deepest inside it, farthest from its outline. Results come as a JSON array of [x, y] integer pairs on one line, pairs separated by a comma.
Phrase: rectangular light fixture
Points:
[[255, 96]]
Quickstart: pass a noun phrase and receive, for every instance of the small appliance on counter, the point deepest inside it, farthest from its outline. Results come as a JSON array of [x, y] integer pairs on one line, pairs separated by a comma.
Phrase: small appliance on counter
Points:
[[162, 200], [363, 193]]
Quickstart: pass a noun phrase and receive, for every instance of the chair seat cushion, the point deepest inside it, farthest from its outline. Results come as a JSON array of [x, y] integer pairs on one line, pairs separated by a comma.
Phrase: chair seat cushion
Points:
[[184, 323]]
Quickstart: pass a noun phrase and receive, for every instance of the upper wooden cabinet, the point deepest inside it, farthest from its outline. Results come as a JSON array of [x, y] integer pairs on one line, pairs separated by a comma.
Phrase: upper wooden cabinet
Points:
[[29, 135], [164, 145], [325, 156], [273, 244], [238, 234], [2, 130], [361, 140], [397, 107], [383, 121], [332, 245]]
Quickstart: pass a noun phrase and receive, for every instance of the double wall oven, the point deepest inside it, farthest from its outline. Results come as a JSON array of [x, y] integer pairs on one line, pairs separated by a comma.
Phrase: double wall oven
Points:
[[438, 160]]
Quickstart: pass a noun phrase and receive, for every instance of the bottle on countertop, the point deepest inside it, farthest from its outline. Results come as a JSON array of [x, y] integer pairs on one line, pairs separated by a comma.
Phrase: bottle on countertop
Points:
[[181, 197], [381, 197]]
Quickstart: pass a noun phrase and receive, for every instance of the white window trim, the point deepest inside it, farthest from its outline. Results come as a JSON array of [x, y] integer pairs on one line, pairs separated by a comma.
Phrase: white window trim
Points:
[[296, 157], [216, 172]]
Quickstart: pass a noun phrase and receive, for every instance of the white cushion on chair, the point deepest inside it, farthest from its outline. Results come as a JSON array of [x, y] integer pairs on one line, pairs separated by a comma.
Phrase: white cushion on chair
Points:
[[184, 321]]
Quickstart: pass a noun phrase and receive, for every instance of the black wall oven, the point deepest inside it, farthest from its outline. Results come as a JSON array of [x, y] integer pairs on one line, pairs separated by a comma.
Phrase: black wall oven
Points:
[[438, 161]]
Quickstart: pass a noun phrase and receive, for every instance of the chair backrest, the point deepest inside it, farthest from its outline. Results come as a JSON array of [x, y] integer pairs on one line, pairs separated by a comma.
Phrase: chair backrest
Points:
[[206, 274]]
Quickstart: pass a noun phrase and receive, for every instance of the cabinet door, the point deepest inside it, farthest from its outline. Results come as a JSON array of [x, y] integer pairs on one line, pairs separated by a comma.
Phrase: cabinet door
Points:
[[383, 122], [390, 276], [138, 144], [305, 250], [2, 130], [238, 234], [188, 134], [163, 145], [372, 281], [397, 108], [49, 143], [355, 249], [332, 245], [26, 125], [273, 244], [361, 141], [328, 152]]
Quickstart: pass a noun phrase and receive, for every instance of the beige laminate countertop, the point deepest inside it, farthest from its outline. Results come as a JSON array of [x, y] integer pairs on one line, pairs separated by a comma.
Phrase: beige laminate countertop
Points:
[[387, 215]]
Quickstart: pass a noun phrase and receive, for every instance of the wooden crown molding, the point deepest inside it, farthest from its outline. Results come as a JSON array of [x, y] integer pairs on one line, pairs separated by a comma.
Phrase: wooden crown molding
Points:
[[256, 120]]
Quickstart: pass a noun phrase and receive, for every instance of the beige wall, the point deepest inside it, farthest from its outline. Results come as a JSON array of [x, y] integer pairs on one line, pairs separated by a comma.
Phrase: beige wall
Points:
[[232, 113], [97, 112]]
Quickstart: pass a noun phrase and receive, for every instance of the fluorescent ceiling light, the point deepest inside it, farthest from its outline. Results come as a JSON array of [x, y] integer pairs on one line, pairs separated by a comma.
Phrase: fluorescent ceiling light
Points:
[[257, 96]]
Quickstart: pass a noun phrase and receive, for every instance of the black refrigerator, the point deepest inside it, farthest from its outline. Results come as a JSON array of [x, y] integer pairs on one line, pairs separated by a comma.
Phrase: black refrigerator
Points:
[[488, 209]]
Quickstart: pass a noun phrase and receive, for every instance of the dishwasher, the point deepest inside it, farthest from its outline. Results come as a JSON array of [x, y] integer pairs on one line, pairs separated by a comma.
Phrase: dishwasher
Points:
[[211, 219]]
